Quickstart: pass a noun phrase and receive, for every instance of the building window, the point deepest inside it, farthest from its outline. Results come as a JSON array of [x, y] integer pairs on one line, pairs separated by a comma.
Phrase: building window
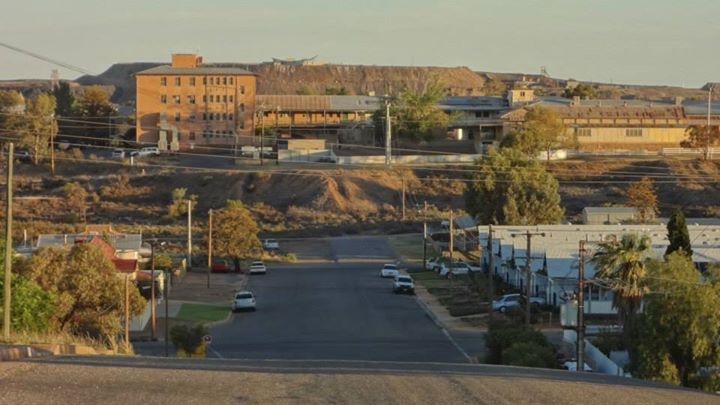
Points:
[[192, 81], [224, 116], [191, 117], [177, 117], [217, 98], [224, 99], [217, 116], [210, 116], [212, 81], [231, 80], [204, 116], [163, 81], [176, 99], [582, 132], [230, 116], [204, 83], [191, 99], [217, 80], [177, 81], [204, 98], [242, 89], [163, 98], [242, 124], [225, 80], [633, 132], [242, 107], [191, 136], [230, 98]]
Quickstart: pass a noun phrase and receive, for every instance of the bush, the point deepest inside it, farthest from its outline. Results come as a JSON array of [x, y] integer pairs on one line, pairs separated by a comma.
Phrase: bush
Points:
[[501, 335], [467, 309], [186, 338], [529, 354]]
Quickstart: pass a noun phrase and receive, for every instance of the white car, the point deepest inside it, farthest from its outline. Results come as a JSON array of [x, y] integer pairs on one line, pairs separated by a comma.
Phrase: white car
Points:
[[118, 154], [513, 301], [454, 269], [389, 271], [243, 300], [572, 366], [470, 267], [433, 263], [144, 152], [258, 267], [403, 284], [271, 244]]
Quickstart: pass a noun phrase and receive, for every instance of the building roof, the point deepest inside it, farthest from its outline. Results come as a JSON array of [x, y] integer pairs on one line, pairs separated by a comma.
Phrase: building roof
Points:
[[610, 210], [317, 103], [201, 70], [117, 241]]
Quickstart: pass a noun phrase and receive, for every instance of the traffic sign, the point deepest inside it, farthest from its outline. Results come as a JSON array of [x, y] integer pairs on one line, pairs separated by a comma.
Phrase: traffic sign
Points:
[[207, 339]]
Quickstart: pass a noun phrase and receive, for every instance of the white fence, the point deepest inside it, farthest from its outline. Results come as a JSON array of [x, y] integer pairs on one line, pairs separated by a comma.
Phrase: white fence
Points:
[[594, 357], [409, 159], [307, 155]]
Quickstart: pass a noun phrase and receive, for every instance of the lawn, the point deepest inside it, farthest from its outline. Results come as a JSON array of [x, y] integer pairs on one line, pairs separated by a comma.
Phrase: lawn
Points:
[[410, 247], [202, 313]]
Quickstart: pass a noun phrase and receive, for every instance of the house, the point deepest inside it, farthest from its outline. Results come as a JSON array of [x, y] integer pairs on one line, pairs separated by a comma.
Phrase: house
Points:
[[187, 104], [554, 256], [608, 215]]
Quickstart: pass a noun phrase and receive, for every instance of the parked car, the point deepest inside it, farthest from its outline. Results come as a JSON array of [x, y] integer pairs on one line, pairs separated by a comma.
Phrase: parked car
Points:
[[271, 244], [453, 269], [22, 155], [470, 266], [147, 151], [220, 266], [389, 271], [258, 267], [403, 284], [243, 300], [571, 365], [118, 154], [507, 301], [434, 263]]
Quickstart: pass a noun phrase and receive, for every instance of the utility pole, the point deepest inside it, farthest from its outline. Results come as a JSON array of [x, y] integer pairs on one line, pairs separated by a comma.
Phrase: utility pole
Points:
[[528, 272], [152, 292], [127, 312], [708, 153], [452, 229], [388, 135], [166, 282], [189, 234], [210, 252], [425, 236], [403, 198], [52, 148], [7, 288], [262, 136], [581, 309], [491, 270]]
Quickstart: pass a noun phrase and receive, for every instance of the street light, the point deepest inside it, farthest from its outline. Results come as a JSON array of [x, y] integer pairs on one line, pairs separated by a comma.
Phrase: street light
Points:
[[153, 326]]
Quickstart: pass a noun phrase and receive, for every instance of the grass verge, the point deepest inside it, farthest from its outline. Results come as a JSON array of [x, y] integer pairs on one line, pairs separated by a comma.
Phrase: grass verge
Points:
[[410, 246], [202, 313]]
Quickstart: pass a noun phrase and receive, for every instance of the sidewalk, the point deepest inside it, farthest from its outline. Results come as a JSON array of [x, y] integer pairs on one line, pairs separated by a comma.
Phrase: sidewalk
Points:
[[440, 315]]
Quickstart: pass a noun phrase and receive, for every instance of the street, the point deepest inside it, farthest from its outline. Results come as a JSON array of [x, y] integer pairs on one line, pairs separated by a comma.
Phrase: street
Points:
[[338, 311]]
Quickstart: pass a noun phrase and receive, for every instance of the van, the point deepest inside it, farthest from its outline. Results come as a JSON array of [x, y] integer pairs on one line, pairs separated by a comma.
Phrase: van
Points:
[[149, 151]]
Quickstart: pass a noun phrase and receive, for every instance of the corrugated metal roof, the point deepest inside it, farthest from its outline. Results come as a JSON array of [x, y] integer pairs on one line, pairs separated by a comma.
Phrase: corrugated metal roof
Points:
[[318, 103], [202, 70], [610, 210], [117, 241]]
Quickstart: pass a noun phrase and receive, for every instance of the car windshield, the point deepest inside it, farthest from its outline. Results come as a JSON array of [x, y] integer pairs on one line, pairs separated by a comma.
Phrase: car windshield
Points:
[[243, 296], [404, 280], [257, 264], [390, 267]]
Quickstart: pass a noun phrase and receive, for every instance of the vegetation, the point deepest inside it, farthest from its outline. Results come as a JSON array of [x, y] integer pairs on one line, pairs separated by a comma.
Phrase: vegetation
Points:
[[89, 294], [678, 234], [235, 233], [494, 87], [75, 199], [94, 107], [511, 189], [35, 127], [582, 90], [64, 100], [622, 266], [675, 340], [641, 195], [701, 136], [188, 338], [179, 206], [336, 91], [542, 131], [31, 306], [418, 116], [514, 344]]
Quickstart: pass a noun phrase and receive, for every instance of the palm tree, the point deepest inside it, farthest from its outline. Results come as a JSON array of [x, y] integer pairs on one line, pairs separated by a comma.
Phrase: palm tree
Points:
[[622, 266]]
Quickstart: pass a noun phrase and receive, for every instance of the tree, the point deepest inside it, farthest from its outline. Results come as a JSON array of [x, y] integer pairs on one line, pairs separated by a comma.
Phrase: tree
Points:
[[35, 127], [178, 206], [542, 131], [75, 198], [641, 195], [90, 295], [678, 234], [494, 87], [622, 267], [12, 106], [187, 338], [510, 189], [701, 136], [676, 336], [336, 91], [235, 233], [417, 112], [95, 108], [64, 99], [582, 90]]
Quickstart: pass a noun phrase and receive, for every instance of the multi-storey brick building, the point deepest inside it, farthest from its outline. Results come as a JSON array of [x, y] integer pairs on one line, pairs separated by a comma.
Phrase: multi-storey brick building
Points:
[[187, 104]]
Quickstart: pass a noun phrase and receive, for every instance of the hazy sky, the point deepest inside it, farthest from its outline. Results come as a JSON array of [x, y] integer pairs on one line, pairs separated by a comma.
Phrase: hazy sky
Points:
[[622, 41]]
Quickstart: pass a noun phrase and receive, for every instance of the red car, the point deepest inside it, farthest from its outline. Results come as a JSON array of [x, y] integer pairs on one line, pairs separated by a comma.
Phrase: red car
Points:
[[220, 266]]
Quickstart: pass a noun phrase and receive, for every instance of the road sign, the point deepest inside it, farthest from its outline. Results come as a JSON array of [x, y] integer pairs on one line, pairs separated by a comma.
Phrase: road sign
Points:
[[207, 339]]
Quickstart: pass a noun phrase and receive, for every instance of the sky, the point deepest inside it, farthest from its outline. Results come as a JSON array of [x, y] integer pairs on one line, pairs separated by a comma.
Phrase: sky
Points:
[[617, 41]]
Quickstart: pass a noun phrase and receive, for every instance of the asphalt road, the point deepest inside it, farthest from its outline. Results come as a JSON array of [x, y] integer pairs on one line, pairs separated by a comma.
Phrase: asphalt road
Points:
[[340, 311]]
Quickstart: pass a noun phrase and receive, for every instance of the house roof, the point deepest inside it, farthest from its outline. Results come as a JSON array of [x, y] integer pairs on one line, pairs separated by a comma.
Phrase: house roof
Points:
[[317, 103], [201, 70], [610, 210], [119, 241]]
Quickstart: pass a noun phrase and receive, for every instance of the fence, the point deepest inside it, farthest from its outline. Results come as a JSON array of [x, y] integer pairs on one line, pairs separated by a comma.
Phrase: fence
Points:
[[409, 159]]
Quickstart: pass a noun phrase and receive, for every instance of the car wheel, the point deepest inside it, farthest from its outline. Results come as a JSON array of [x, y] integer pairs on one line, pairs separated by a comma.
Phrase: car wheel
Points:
[[502, 309]]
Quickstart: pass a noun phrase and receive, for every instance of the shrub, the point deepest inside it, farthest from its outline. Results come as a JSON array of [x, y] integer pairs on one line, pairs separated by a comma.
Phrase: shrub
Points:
[[529, 354], [503, 334], [467, 309], [186, 338]]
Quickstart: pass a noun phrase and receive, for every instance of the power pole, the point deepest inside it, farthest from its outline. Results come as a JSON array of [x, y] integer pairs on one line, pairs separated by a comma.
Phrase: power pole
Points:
[[127, 311], [581, 309], [452, 229], [262, 137], [708, 154], [403, 198], [7, 288], [528, 272], [166, 282], [425, 235], [152, 292], [491, 270], [388, 135], [52, 149], [189, 234], [210, 252]]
